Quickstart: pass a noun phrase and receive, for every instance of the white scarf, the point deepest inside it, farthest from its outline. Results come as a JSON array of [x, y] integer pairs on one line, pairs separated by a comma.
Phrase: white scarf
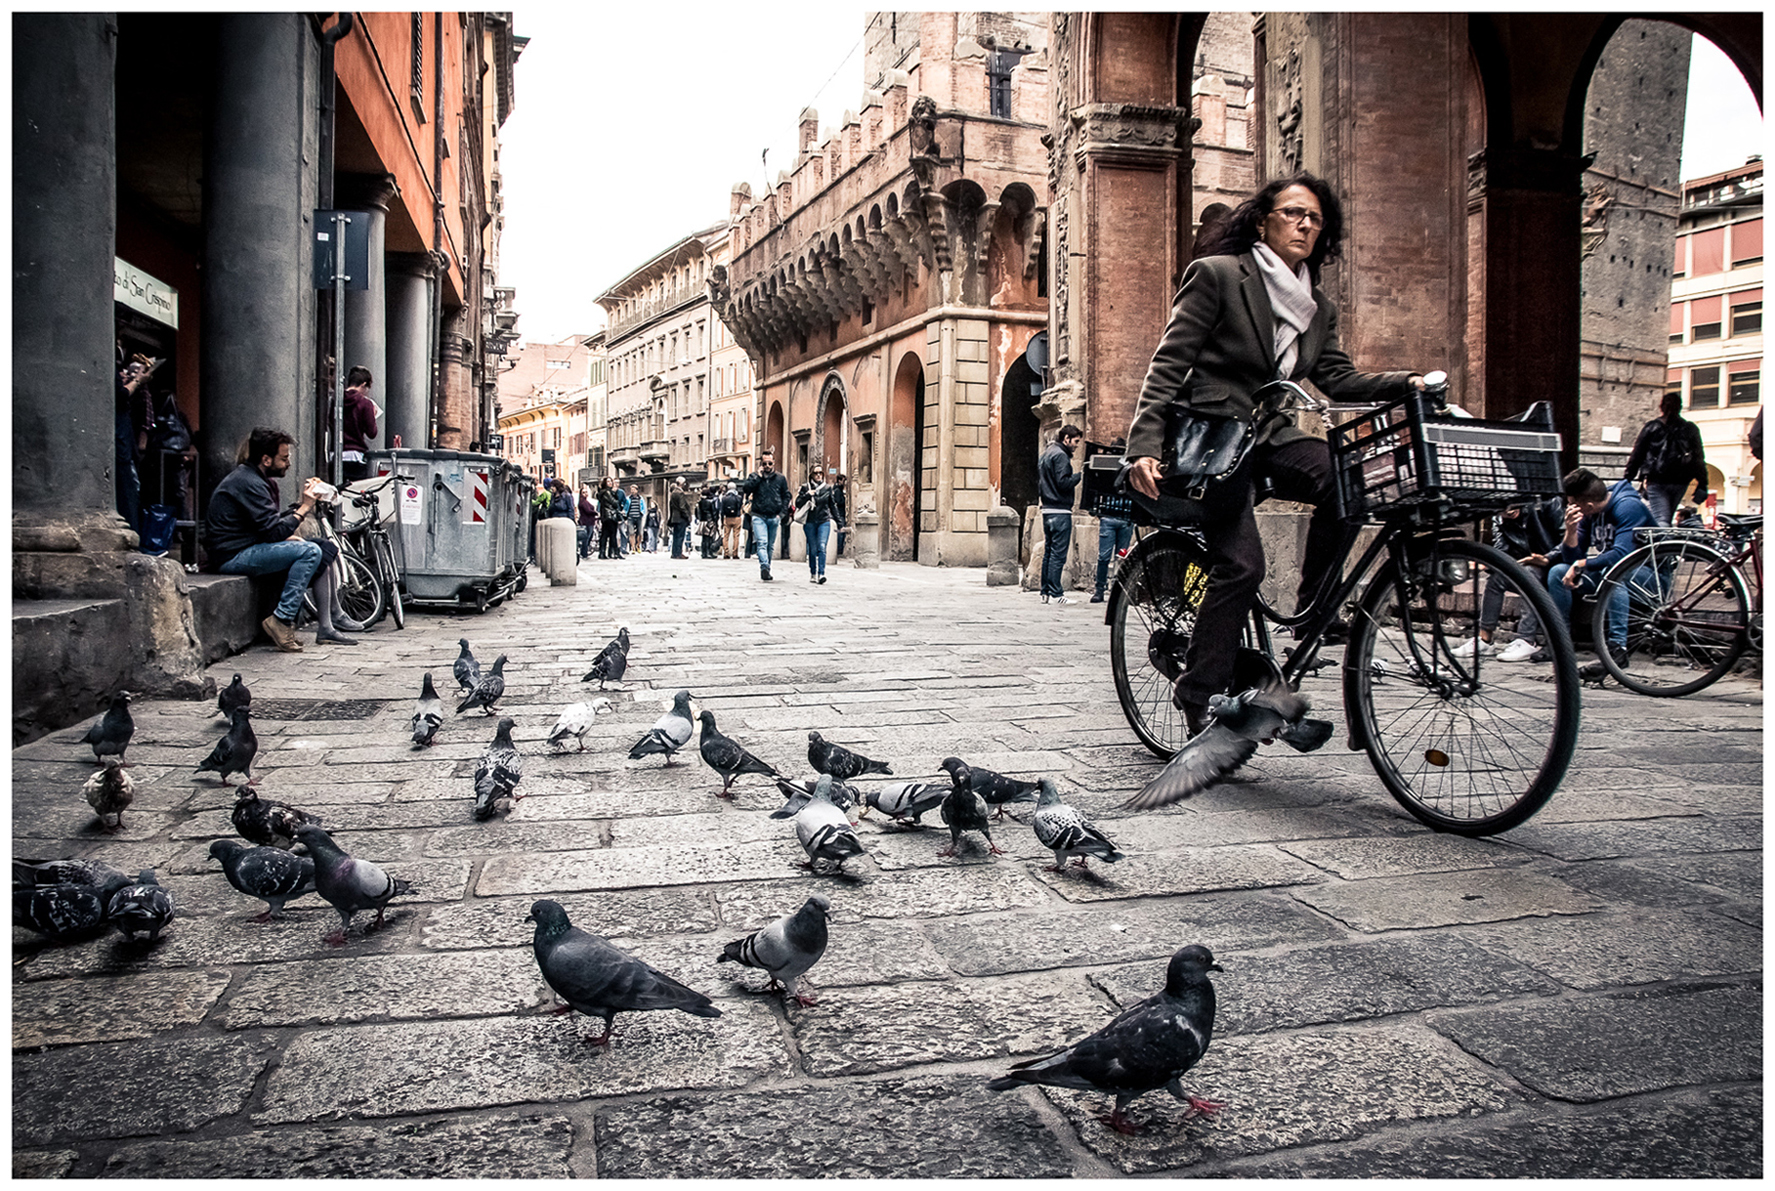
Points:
[[1291, 301]]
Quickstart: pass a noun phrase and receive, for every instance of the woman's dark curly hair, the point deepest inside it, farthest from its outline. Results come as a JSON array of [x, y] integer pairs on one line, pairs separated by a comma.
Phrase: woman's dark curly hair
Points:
[[1244, 227]]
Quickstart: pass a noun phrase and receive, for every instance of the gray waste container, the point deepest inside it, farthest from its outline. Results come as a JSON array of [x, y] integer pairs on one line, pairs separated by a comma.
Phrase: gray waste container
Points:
[[453, 523]]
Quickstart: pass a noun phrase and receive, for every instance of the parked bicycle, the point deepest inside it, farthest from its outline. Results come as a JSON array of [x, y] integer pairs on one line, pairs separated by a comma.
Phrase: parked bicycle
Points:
[[370, 582], [1464, 744]]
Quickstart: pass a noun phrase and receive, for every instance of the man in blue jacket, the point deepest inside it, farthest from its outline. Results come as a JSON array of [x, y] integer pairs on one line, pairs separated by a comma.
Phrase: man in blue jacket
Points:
[[1599, 518], [1056, 482]]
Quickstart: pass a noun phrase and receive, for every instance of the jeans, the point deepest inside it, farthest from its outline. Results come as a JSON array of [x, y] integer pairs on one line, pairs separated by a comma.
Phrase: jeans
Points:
[[1113, 534], [817, 537], [1057, 527], [679, 532], [300, 558], [651, 534], [1491, 605], [1663, 499], [1588, 581], [585, 540], [607, 539], [764, 538]]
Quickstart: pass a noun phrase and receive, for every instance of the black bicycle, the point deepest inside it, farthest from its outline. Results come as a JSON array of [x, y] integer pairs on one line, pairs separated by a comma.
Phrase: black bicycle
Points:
[[1464, 744]]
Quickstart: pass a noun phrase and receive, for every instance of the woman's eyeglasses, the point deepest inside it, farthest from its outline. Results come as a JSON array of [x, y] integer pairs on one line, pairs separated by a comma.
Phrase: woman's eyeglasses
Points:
[[1300, 215]]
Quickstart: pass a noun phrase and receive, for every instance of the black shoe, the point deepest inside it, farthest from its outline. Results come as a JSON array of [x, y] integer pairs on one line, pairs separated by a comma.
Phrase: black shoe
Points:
[[1195, 715], [764, 575], [1097, 597]]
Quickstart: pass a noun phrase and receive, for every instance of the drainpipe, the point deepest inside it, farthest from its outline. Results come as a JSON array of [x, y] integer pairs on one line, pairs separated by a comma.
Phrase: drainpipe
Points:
[[438, 255], [325, 341]]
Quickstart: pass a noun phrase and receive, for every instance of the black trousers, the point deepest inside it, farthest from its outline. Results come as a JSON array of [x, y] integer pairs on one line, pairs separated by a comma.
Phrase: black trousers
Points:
[[1299, 471]]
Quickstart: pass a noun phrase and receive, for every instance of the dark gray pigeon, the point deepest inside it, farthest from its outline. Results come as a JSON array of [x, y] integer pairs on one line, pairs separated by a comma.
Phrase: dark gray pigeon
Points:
[[109, 792], [842, 795], [60, 913], [234, 753], [825, 832], [617, 644], [599, 979], [908, 800], [576, 720], [110, 733], [1149, 1045], [467, 670], [39, 874], [727, 757], [839, 761], [272, 875], [266, 822], [994, 788], [428, 714], [786, 948], [1065, 832], [498, 772], [350, 884], [487, 690], [235, 694], [1241, 722], [143, 907], [669, 733], [963, 810], [612, 661]]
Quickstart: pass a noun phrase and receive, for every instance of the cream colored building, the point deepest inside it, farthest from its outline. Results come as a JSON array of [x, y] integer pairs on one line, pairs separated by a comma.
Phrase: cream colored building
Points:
[[544, 401]]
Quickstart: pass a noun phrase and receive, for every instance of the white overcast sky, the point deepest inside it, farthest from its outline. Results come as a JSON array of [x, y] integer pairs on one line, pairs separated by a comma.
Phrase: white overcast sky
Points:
[[633, 122]]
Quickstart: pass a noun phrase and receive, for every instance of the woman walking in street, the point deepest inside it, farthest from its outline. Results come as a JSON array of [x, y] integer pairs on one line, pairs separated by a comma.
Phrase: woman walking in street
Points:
[[816, 496], [609, 514], [650, 527]]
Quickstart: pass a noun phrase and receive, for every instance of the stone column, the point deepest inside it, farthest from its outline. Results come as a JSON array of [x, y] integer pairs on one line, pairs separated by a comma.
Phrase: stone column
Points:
[[366, 310], [407, 390]]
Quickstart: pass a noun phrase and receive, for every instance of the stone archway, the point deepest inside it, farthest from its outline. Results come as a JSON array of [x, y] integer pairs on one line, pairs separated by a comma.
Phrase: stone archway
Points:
[[901, 463], [829, 445]]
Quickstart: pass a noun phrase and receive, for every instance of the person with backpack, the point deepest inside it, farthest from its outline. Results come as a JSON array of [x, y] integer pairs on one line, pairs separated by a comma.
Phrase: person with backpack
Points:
[[1667, 455], [731, 506]]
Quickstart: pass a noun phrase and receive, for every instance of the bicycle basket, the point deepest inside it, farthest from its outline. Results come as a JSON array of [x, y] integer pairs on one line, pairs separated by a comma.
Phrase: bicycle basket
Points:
[[1403, 458]]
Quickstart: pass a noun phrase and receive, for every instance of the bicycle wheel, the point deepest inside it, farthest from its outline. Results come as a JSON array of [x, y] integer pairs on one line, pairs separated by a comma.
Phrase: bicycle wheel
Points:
[[1688, 617], [391, 581], [1465, 744], [360, 591], [1151, 615]]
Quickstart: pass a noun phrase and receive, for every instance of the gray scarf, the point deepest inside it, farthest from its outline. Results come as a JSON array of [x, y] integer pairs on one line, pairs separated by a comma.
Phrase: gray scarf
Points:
[[1291, 301]]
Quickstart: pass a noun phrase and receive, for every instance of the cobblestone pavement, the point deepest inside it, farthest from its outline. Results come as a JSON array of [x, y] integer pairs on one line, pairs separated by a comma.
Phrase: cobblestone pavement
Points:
[[1582, 996]]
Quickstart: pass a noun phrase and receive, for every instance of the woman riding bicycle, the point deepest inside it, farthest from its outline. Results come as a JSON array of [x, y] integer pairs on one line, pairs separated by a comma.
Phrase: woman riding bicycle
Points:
[[1248, 314]]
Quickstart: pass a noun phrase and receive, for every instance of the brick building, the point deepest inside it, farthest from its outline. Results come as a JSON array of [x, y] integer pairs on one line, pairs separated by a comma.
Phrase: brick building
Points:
[[545, 405]]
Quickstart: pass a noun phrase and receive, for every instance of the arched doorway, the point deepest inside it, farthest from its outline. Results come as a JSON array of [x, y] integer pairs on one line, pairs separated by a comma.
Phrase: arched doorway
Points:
[[902, 466], [1019, 436], [829, 445]]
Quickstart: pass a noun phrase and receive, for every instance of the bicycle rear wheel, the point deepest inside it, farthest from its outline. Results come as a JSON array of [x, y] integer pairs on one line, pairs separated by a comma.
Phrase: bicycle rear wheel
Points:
[[1152, 613], [360, 592], [391, 581], [1465, 744], [1688, 617]]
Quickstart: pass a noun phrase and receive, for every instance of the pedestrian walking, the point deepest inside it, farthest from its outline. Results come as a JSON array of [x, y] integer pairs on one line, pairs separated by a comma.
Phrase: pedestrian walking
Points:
[[622, 522], [1668, 457], [609, 514], [1114, 532], [769, 493], [650, 527], [841, 509], [588, 520], [708, 520], [637, 513], [731, 504], [815, 497], [678, 517], [1057, 482]]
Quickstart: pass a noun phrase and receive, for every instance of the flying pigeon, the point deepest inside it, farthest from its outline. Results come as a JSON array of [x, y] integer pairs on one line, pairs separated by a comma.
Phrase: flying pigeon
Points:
[[995, 788], [428, 714], [110, 733], [843, 795], [110, 791], [263, 821], [669, 733], [272, 875], [487, 690], [1240, 723], [143, 906], [596, 978], [234, 753], [467, 670], [1149, 1045], [498, 772], [908, 799], [576, 721], [40, 874], [839, 761], [235, 694], [964, 810], [825, 832], [350, 884], [1066, 832], [609, 668], [727, 757], [786, 948], [58, 912]]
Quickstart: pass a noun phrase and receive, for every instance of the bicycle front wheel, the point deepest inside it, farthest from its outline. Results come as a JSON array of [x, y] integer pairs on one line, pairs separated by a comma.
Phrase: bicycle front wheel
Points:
[[1465, 743], [1687, 615], [360, 591], [391, 581], [1151, 615]]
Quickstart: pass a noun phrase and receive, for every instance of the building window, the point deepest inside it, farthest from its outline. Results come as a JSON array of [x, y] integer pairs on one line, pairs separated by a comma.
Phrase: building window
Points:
[[1704, 319], [1673, 384], [417, 92], [1709, 250], [1742, 387], [999, 64], [1704, 388], [1747, 243], [1681, 266], [1747, 312], [1678, 311]]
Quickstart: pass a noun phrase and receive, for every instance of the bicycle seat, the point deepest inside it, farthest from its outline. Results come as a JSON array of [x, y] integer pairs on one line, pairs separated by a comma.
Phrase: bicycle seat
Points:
[[1737, 523]]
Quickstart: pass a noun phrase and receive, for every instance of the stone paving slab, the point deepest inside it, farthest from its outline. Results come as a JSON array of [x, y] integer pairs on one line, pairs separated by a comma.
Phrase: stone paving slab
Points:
[[1187, 870], [1595, 841], [546, 874], [55, 1013], [1628, 947], [1626, 882], [1445, 899], [43, 1164], [496, 922], [481, 983], [228, 939], [911, 894], [1395, 856]]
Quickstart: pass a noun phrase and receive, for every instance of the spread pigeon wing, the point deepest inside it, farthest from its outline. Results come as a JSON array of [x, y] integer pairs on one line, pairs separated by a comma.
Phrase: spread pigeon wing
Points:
[[1207, 757]]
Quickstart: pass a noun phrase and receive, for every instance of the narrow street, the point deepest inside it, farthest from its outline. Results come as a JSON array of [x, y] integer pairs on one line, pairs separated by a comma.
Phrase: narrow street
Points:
[[1580, 997]]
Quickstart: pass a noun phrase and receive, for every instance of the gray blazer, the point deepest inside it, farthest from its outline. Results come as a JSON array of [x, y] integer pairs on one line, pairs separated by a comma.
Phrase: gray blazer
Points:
[[1219, 349]]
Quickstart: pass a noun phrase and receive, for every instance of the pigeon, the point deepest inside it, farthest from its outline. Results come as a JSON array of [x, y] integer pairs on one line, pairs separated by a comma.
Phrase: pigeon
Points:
[[498, 772], [110, 733], [143, 906], [610, 668], [995, 788], [839, 761], [235, 694], [1065, 832], [234, 753], [964, 810], [843, 795], [594, 977], [617, 644], [906, 799], [59, 912], [109, 792], [786, 948], [727, 757], [428, 714], [265, 822], [825, 832], [576, 721], [1240, 723], [1149, 1045], [487, 690], [669, 733], [272, 875], [467, 670], [40, 874], [350, 884]]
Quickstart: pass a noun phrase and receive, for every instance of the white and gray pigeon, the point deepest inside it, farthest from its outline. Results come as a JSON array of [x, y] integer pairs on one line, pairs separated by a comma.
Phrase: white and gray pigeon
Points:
[[109, 792], [597, 978], [843, 795], [825, 832], [428, 714], [1150, 1045], [498, 772], [671, 732], [1066, 832], [143, 907], [60, 913], [576, 721], [1241, 722], [487, 689], [272, 875], [728, 757], [234, 753], [111, 732], [348, 883], [905, 801], [235, 694], [786, 948], [962, 809], [466, 669]]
